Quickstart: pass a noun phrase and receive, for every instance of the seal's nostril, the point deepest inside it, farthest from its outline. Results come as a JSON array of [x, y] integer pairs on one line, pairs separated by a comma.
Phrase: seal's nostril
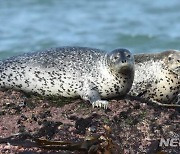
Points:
[[178, 61], [124, 61]]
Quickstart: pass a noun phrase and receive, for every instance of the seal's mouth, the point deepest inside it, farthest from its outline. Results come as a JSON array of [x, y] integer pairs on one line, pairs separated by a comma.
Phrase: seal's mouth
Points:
[[126, 68]]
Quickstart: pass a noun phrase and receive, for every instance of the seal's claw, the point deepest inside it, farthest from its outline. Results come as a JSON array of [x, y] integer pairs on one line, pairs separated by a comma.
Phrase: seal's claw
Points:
[[100, 103], [178, 99]]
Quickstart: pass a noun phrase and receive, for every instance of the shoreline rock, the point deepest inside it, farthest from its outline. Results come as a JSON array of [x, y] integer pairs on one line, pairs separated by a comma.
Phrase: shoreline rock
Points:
[[136, 126]]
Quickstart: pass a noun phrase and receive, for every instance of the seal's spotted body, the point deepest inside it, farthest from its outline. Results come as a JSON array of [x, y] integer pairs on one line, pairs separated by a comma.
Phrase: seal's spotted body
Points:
[[71, 72], [157, 76]]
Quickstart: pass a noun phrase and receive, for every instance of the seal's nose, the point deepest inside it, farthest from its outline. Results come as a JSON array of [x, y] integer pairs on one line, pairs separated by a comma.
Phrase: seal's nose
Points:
[[124, 61]]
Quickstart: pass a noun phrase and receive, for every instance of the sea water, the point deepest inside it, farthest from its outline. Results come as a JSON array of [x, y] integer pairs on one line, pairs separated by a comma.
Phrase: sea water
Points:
[[138, 25]]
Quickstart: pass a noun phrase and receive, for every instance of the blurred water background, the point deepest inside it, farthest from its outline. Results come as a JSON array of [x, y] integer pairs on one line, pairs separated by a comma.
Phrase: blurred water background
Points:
[[139, 25]]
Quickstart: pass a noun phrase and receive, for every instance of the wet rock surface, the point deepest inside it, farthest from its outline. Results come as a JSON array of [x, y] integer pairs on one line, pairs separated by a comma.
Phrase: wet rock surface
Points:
[[136, 127]]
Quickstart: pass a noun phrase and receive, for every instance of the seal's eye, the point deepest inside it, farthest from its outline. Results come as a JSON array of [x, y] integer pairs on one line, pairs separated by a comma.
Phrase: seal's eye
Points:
[[116, 57], [128, 56], [169, 58]]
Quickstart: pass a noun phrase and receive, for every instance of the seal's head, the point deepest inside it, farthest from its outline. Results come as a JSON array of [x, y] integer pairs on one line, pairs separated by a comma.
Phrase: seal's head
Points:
[[121, 61], [172, 60]]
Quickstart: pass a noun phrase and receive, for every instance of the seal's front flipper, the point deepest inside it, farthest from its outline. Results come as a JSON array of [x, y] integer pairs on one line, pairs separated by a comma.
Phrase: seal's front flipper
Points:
[[94, 98], [91, 94]]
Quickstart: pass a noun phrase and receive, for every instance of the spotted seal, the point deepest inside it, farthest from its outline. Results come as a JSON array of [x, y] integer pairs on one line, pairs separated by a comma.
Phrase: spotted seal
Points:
[[157, 77], [89, 73]]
